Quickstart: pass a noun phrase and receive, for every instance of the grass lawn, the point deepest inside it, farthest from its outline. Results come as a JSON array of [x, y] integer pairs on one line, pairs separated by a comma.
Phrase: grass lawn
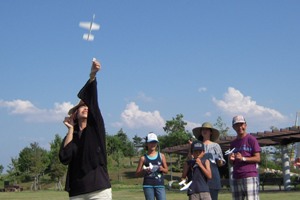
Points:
[[137, 194], [129, 187]]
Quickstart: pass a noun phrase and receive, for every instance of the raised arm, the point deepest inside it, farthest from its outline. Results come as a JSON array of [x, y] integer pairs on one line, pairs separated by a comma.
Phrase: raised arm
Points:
[[96, 66]]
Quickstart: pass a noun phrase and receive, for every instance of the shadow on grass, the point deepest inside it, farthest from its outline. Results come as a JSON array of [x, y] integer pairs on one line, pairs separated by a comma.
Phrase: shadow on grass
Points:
[[129, 174]]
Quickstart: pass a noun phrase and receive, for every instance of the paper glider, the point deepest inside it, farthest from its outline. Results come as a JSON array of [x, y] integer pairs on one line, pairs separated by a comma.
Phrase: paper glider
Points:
[[150, 166], [229, 151], [185, 185], [91, 26]]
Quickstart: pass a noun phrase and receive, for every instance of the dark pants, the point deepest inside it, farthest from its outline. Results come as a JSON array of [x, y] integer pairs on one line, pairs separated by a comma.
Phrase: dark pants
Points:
[[214, 194]]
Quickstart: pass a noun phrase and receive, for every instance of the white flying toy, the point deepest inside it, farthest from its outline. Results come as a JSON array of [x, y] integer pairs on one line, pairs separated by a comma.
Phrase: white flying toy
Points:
[[229, 151], [185, 185], [91, 26], [150, 167]]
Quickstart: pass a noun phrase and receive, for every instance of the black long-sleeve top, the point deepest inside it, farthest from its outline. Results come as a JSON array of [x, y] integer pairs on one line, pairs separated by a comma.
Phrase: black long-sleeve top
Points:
[[86, 156]]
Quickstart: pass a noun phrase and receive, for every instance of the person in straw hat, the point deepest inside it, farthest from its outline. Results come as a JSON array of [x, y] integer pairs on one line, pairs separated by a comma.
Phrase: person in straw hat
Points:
[[209, 135], [84, 147]]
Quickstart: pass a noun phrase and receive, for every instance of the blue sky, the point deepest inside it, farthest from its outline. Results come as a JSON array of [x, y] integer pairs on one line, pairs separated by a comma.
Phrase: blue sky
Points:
[[199, 58]]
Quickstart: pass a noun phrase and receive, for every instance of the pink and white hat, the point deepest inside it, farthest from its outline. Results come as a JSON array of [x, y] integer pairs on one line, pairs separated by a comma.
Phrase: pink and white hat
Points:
[[238, 119]]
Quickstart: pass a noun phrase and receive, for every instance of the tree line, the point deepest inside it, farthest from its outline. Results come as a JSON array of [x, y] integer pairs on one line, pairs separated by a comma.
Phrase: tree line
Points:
[[33, 162]]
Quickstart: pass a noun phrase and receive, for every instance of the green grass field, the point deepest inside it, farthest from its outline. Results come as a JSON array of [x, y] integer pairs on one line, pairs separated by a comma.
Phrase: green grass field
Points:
[[136, 194], [126, 186]]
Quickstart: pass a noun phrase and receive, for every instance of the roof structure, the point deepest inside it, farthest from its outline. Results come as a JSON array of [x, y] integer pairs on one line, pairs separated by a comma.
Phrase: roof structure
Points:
[[267, 138]]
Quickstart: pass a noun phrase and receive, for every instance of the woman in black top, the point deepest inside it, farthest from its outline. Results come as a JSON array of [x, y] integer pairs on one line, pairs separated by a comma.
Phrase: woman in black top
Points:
[[84, 147]]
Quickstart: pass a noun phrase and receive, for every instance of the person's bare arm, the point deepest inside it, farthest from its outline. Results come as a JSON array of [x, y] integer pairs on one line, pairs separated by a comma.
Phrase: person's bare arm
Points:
[[185, 171], [164, 167], [205, 168], [190, 155], [139, 170], [69, 122]]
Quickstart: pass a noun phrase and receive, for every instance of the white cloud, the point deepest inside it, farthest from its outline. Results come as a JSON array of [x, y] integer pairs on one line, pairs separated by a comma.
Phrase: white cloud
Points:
[[234, 102], [202, 89], [207, 114], [135, 118], [33, 114], [19, 106], [191, 125], [142, 96]]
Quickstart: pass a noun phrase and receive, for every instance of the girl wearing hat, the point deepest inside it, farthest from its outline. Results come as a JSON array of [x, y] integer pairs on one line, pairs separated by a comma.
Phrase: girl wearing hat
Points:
[[152, 166], [208, 135], [84, 149]]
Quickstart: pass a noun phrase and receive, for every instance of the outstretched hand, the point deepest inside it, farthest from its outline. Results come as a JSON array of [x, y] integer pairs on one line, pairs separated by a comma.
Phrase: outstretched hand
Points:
[[96, 66]]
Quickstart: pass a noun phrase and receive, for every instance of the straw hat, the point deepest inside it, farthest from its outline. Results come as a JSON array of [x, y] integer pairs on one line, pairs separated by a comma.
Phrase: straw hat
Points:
[[72, 110], [214, 135]]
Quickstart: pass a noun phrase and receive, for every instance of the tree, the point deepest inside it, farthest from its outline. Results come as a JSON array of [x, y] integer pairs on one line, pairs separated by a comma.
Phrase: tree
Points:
[[113, 143], [119, 146], [175, 125], [137, 143], [123, 139], [1, 169], [122, 136], [222, 127], [13, 170], [176, 133], [118, 157], [129, 151], [126, 147], [33, 162], [114, 150], [56, 168]]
